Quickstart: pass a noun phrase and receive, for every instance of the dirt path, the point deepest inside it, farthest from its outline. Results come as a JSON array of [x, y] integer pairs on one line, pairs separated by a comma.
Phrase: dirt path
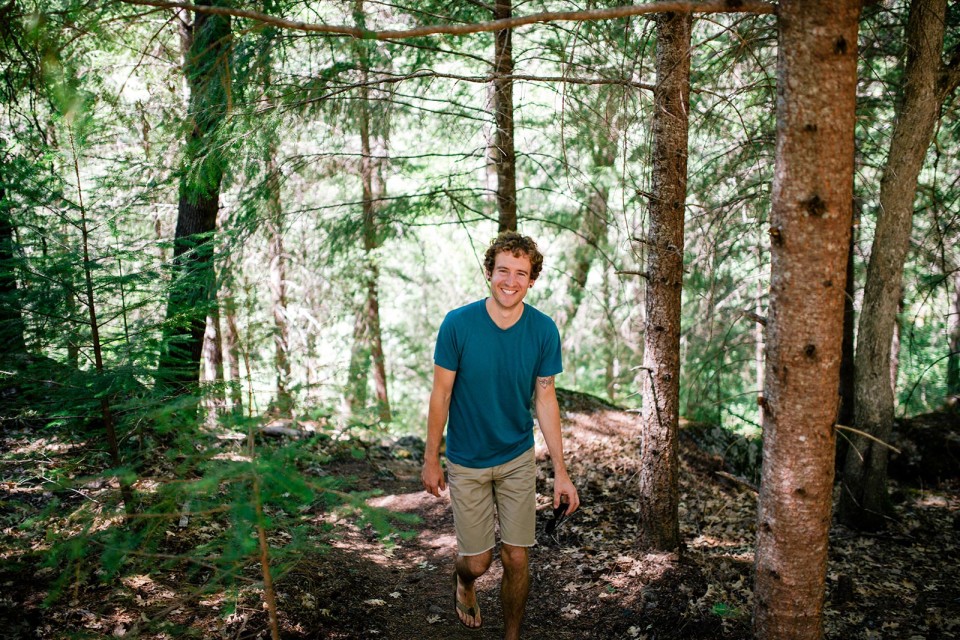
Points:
[[587, 581], [591, 582]]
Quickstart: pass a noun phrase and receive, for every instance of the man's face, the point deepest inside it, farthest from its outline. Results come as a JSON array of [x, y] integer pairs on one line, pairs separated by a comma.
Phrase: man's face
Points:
[[510, 279]]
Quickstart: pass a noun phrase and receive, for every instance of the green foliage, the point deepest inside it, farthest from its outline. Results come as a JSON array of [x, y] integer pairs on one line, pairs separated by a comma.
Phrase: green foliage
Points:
[[205, 519], [260, 115]]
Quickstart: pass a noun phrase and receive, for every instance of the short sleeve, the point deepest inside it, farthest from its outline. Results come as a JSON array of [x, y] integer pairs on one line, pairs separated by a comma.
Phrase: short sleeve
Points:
[[550, 363], [446, 354]]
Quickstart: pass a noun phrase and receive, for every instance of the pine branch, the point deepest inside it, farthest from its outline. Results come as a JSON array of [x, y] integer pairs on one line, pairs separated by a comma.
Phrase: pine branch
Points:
[[384, 79], [716, 6]]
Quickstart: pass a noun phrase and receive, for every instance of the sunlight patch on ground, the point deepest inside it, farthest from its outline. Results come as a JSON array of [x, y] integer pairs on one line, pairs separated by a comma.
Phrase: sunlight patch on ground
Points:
[[711, 542], [939, 501], [438, 539], [404, 501], [34, 445]]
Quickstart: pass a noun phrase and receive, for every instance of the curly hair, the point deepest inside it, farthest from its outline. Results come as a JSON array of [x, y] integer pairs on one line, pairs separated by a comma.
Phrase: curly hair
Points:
[[518, 245]]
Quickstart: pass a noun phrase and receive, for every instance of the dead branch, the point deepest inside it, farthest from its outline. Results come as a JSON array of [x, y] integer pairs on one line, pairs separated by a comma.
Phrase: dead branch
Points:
[[642, 274], [869, 437], [714, 6], [738, 480], [755, 317]]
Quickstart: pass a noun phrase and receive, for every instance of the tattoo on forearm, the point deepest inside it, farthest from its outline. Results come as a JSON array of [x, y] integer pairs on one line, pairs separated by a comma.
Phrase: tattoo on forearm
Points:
[[546, 382]]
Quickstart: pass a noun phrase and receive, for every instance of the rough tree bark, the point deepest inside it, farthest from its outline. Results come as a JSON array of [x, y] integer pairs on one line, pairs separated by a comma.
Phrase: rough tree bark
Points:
[[504, 155], [208, 75], [809, 236], [863, 496], [660, 375]]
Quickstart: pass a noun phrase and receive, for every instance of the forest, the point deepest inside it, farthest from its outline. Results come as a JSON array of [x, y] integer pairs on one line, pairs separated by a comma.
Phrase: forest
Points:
[[230, 230]]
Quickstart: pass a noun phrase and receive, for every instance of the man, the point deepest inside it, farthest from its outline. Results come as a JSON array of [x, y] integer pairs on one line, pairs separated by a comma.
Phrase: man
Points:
[[491, 358]]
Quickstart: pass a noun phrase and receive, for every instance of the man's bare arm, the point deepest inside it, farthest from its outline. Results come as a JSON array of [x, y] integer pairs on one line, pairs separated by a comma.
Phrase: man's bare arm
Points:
[[548, 415], [439, 409]]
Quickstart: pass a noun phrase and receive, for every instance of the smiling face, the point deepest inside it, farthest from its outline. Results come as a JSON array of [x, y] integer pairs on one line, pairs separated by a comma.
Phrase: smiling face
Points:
[[510, 280]]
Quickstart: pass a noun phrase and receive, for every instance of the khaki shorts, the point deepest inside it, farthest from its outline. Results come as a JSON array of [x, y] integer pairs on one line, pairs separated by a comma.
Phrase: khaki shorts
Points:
[[512, 486]]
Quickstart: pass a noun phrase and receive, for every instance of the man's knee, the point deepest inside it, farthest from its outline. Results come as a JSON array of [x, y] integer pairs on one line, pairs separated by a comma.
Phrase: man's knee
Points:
[[514, 558], [477, 565]]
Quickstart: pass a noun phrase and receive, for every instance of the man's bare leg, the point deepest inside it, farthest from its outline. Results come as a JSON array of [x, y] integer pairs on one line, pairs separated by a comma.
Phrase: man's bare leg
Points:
[[514, 588], [469, 568]]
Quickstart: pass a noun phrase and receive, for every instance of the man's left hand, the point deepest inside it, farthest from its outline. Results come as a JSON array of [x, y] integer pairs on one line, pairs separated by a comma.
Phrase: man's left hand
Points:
[[563, 488]]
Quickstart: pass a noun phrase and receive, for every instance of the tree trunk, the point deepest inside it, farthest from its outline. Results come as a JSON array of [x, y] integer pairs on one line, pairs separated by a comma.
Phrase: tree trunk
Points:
[[953, 327], [660, 376], [504, 154], [847, 389], [863, 499], [368, 341], [373, 192], [278, 286], [11, 319], [208, 75], [610, 337], [212, 360], [847, 366], [212, 352], [231, 347], [895, 344], [359, 368], [759, 362], [810, 226], [593, 223]]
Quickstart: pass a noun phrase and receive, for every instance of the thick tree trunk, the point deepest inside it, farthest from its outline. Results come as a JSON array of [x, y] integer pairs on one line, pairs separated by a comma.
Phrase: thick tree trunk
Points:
[[504, 154], [660, 376], [11, 319], [810, 226], [863, 498], [208, 75]]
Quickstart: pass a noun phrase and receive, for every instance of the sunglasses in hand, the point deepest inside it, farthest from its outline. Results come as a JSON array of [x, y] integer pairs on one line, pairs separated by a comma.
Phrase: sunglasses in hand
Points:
[[559, 515]]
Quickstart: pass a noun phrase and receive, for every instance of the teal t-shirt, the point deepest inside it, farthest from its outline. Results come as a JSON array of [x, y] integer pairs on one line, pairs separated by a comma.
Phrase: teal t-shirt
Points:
[[497, 369]]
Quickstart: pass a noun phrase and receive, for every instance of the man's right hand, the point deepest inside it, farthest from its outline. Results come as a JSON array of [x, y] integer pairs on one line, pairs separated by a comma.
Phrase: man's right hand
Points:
[[432, 477]]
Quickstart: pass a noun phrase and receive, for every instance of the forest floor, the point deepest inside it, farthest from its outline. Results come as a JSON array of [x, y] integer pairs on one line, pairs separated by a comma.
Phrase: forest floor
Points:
[[588, 580]]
